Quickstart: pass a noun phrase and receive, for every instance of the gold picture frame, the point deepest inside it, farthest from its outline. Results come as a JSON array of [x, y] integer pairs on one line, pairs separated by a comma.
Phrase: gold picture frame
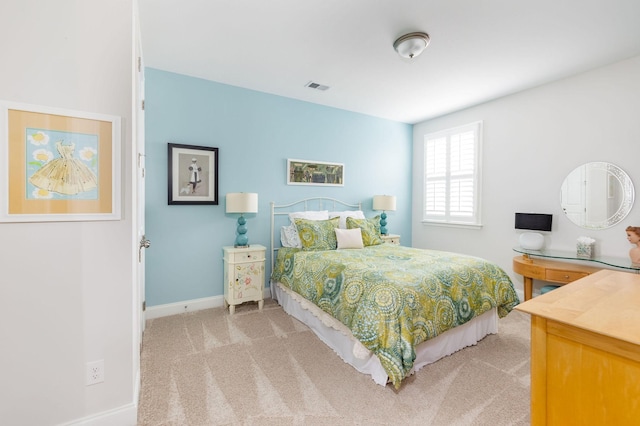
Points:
[[58, 165]]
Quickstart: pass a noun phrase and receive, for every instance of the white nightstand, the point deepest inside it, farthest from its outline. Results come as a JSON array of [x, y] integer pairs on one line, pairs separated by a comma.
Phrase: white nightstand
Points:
[[391, 239], [243, 275]]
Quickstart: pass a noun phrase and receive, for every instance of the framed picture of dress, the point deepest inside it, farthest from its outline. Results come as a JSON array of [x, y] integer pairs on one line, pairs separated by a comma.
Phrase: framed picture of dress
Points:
[[58, 164], [193, 174]]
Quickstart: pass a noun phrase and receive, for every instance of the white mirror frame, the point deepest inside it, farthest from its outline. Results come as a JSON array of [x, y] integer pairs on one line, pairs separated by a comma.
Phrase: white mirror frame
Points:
[[597, 195]]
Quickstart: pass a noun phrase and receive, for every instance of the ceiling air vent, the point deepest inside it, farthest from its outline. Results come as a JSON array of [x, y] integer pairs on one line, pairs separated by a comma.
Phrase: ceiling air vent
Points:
[[316, 86]]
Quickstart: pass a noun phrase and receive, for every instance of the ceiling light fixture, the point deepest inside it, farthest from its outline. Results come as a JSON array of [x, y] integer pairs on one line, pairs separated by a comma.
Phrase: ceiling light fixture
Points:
[[411, 45]]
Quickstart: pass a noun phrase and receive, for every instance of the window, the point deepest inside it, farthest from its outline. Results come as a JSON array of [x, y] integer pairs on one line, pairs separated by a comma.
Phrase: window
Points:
[[452, 176]]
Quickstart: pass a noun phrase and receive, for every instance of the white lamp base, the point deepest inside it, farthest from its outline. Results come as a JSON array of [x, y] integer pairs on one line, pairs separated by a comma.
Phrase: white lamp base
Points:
[[531, 241]]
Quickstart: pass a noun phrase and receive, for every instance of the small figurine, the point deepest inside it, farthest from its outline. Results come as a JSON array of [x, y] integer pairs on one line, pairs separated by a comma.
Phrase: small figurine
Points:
[[633, 236]]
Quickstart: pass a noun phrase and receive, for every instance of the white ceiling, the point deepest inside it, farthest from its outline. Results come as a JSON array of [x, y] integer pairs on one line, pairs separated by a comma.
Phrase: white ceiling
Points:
[[480, 49]]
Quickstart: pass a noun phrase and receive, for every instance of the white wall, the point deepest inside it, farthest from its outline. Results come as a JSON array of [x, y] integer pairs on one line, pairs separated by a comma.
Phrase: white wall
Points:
[[532, 140], [66, 289]]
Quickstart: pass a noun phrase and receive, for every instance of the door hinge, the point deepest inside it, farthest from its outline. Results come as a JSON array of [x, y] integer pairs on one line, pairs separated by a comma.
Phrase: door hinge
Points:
[[144, 306], [142, 105], [139, 63]]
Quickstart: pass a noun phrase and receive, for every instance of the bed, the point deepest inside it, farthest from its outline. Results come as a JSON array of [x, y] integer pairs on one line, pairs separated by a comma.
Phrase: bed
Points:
[[385, 309]]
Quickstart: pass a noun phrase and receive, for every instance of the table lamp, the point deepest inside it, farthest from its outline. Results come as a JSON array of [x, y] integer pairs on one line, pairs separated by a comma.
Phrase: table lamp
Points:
[[384, 203], [242, 202]]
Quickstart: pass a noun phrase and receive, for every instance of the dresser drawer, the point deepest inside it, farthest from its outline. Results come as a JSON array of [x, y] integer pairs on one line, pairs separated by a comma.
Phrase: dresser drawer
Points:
[[563, 276], [528, 269]]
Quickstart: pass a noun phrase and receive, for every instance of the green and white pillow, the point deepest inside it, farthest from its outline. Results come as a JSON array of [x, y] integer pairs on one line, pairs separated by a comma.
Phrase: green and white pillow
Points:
[[317, 234], [356, 214], [370, 230]]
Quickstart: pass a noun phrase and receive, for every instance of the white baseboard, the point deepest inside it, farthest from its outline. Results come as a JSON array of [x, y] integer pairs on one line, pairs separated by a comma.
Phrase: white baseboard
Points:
[[182, 307], [190, 306], [127, 415]]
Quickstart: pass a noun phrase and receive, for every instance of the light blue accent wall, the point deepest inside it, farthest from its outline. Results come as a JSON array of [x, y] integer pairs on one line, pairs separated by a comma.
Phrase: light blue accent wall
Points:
[[255, 133]]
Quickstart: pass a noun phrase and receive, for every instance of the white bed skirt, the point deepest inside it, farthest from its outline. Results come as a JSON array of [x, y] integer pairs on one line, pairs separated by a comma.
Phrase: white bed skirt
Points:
[[339, 338]]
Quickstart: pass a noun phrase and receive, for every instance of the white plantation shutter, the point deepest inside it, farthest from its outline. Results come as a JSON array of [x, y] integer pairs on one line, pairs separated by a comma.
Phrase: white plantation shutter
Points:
[[436, 171], [452, 171]]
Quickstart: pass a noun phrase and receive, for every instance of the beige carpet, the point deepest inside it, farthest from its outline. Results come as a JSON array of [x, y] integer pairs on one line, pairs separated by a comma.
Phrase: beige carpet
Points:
[[266, 368]]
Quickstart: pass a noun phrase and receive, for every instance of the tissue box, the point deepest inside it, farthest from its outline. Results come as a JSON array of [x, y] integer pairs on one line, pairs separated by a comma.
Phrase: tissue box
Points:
[[584, 250]]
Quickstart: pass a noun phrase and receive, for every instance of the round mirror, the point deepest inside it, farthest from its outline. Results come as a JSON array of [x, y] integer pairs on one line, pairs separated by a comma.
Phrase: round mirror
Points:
[[597, 195]]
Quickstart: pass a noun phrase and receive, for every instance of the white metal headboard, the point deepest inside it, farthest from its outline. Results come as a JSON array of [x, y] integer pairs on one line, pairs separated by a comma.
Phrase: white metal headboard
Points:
[[307, 204]]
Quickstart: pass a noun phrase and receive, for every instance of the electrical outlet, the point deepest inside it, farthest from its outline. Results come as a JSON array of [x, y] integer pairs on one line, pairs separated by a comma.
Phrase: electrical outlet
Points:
[[95, 372]]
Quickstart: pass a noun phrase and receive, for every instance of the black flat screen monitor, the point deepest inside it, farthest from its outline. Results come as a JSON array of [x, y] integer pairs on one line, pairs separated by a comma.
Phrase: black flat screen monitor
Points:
[[533, 221]]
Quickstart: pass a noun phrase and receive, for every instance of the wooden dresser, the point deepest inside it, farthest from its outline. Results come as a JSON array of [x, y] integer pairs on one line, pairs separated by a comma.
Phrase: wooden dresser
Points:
[[585, 351]]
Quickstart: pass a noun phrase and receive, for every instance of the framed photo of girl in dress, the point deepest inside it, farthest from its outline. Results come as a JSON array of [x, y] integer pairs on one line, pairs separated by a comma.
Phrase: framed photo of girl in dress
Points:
[[60, 165], [193, 174]]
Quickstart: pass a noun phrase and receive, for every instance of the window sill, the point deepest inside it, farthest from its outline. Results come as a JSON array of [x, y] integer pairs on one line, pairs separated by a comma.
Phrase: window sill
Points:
[[452, 224]]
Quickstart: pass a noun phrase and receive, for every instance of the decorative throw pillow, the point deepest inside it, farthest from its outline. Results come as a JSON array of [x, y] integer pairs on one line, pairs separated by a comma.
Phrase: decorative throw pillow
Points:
[[370, 229], [317, 234], [356, 214], [289, 236], [349, 238]]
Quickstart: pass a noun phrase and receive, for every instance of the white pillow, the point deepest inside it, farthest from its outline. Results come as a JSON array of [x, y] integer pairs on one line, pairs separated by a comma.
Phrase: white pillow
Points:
[[309, 215], [289, 237], [349, 238], [356, 214]]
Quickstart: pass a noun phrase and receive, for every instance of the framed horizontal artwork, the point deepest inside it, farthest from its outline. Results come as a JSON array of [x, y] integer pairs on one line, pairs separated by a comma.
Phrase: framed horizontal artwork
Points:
[[58, 165], [304, 172], [193, 174]]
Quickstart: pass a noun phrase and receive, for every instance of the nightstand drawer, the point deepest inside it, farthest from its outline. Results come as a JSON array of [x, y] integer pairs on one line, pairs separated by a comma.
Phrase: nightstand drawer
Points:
[[391, 239], [563, 276], [244, 256]]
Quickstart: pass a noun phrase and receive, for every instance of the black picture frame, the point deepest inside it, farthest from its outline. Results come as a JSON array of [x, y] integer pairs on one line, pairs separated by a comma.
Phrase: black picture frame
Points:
[[192, 175]]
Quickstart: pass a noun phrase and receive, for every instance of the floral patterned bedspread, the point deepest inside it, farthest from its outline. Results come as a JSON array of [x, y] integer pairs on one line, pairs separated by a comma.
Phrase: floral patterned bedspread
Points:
[[392, 297]]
